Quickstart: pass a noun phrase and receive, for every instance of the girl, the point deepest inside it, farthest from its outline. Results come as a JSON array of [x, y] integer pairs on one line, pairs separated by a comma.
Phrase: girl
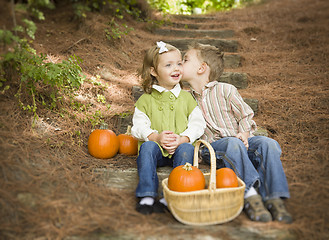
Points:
[[166, 122]]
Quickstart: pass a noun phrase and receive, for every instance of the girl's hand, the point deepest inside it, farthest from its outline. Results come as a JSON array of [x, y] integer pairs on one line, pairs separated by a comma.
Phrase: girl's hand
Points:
[[165, 138], [244, 138], [168, 140], [172, 145]]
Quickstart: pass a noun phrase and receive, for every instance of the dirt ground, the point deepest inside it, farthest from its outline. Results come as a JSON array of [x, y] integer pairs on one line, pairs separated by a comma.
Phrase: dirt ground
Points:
[[48, 189]]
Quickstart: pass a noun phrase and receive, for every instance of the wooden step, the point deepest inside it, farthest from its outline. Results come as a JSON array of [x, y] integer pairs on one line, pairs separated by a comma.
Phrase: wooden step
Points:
[[239, 80], [186, 25], [187, 33], [126, 179], [223, 45], [195, 18], [197, 25], [232, 60]]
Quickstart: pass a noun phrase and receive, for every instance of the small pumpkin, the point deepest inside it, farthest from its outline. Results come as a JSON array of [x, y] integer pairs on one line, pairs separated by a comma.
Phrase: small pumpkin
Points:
[[226, 178], [186, 178], [103, 143], [128, 145]]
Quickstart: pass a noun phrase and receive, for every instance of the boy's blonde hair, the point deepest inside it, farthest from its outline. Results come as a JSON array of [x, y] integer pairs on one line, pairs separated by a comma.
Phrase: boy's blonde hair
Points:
[[212, 56], [151, 59]]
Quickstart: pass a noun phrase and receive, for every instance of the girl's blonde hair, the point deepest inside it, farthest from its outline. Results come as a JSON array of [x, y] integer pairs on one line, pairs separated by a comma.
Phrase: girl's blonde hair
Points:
[[151, 59], [212, 56]]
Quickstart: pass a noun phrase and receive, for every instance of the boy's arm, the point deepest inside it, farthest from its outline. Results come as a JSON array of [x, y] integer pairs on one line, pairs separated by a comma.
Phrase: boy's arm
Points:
[[243, 113], [195, 127]]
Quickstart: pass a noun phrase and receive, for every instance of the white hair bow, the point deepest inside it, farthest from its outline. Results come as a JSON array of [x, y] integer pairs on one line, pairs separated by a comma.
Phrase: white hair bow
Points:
[[162, 47]]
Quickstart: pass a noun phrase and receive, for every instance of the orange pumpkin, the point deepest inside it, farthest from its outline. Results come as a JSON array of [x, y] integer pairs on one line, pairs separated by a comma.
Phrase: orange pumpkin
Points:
[[226, 178], [128, 145], [186, 178], [103, 143]]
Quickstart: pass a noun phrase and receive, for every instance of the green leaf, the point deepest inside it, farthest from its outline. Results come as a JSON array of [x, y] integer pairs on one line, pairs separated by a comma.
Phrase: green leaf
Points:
[[31, 28]]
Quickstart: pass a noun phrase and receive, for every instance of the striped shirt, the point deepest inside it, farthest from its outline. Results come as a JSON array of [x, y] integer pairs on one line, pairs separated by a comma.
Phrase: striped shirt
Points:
[[224, 110]]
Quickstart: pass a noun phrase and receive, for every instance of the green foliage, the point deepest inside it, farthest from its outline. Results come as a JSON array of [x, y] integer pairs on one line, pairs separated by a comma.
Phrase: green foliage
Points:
[[223, 5], [177, 7], [31, 28], [7, 37], [118, 7], [95, 119], [116, 31], [188, 6], [39, 78], [154, 24], [3, 81], [38, 82], [160, 5], [101, 98], [33, 7]]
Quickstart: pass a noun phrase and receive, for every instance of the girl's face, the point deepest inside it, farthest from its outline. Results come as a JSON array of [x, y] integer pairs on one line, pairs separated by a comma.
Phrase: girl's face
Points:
[[170, 69]]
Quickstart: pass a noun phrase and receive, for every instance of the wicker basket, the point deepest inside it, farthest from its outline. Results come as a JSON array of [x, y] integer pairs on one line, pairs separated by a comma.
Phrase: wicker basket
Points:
[[208, 206]]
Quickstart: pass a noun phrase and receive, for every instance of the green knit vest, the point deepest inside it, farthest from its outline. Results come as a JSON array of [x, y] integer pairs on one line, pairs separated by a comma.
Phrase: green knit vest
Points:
[[166, 112]]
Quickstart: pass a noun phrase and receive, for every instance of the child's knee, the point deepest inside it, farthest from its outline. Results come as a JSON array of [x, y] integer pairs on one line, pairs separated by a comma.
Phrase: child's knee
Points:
[[272, 145], [184, 154], [149, 146], [235, 143], [187, 147], [148, 151]]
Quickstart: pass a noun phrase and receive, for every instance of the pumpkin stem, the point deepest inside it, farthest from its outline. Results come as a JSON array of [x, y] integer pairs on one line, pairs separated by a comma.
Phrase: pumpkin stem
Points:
[[128, 130], [104, 126], [187, 166]]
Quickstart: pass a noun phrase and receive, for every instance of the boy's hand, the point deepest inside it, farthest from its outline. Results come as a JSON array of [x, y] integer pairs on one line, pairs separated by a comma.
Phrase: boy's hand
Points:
[[244, 138]]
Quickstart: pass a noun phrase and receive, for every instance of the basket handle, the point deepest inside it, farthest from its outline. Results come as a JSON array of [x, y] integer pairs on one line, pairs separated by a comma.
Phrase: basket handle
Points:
[[212, 180]]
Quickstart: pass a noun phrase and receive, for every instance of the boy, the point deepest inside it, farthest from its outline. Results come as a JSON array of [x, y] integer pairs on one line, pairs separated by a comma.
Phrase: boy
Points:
[[255, 159]]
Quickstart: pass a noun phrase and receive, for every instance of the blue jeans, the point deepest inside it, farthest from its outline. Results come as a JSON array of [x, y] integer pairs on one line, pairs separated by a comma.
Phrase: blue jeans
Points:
[[150, 157], [259, 167]]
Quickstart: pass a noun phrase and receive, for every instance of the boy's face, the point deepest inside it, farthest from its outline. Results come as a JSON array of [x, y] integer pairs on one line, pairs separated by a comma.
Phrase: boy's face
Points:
[[191, 65], [170, 69]]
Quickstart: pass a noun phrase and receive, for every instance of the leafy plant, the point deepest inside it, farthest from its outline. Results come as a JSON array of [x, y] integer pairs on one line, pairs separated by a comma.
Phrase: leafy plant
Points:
[[154, 24], [118, 7], [40, 79], [116, 31], [96, 118], [187, 6], [101, 98], [34, 7], [30, 28]]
